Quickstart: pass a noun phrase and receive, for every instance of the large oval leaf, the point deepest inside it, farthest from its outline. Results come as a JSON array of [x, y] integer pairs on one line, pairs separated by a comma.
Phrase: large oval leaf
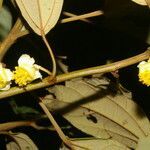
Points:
[[41, 15], [101, 113], [21, 141]]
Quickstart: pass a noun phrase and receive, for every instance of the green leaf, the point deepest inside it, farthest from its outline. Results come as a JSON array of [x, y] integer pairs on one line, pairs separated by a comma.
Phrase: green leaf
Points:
[[5, 22]]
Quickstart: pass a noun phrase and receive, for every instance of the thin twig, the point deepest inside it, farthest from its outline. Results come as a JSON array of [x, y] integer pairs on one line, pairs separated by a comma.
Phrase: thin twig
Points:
[[62, 66], [22, 33], [56, 126], [16, 32], [73, 15], [81, 17], [52, 56], [46, 42], [10, 39], [32, 123], [14, 124], [80, 73], [42, 69]]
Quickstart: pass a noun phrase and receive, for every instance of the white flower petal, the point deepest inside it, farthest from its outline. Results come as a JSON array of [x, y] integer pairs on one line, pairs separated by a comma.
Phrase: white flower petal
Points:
[[38, 74], [25, 61], [7, 87], [144, 66], [9, 74], [6, 76], [142, 63]]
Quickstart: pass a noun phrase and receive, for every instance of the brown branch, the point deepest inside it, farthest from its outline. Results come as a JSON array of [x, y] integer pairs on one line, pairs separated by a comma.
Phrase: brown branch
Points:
[[10, 39], [15, 124], [73, 15], [80, 73], [82, 17], [16, 32], [32, 123], [56, 126], [22, 33]]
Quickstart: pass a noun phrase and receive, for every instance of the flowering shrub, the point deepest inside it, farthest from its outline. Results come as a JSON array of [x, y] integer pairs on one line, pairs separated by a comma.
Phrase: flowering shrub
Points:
[[27, 71]]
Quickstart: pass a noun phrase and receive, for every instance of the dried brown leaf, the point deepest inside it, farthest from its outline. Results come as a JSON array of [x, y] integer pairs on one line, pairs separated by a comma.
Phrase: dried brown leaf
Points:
[[41, 15], [21, 141], [95, 124], [96, 144], [100, 113], [144, 144]]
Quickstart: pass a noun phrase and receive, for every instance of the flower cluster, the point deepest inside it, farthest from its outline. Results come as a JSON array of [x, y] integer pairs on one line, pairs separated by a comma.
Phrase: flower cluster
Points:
[[24, 73], [144, 72]]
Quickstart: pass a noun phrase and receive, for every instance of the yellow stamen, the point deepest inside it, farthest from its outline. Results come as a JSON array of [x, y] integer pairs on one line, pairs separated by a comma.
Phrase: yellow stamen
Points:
[[22, 76], [144, 77]]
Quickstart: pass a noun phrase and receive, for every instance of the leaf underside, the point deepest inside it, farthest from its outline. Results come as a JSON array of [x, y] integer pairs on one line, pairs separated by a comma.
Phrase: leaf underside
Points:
[[41, 15], [99, 113]]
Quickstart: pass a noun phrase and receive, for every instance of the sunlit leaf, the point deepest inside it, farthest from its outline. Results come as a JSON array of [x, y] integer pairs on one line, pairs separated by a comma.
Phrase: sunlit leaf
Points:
[[148, 2], [144, 144], [41, 15], [97, 111], [23, 141], [95, 124], [140, 2], [96, 144]]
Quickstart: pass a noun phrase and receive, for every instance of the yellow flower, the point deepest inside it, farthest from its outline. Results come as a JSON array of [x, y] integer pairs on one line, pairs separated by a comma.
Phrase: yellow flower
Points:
[[5, 78], [26, 71], [144, 72]]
